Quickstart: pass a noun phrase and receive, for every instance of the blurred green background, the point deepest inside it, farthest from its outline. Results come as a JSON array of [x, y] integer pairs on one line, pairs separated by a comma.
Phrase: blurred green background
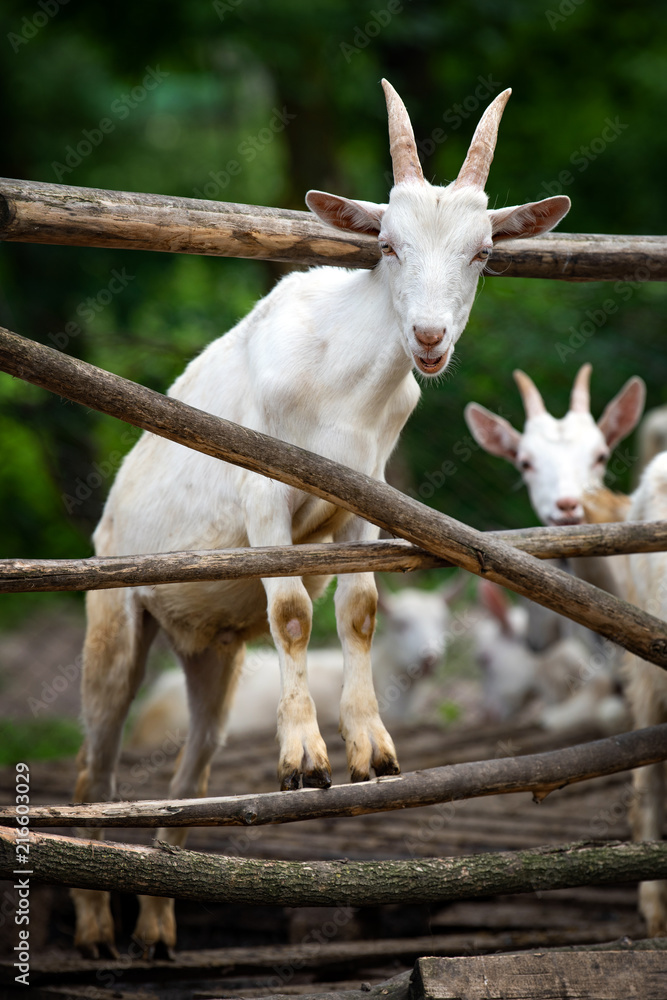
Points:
[[190, 87]]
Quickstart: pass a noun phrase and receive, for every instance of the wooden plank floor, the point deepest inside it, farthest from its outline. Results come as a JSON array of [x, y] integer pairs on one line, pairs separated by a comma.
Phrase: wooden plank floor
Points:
[[254, 951]]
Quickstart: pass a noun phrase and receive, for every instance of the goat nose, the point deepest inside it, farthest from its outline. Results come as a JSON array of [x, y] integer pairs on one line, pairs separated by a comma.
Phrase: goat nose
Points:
[[568, 505], [429, 336]]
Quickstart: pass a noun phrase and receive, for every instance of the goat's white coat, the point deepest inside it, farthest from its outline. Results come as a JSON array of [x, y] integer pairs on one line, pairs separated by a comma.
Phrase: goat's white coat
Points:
[[405, 656], [558, 687], [646, 684], [560, 460], [640, 578], [325, 362]]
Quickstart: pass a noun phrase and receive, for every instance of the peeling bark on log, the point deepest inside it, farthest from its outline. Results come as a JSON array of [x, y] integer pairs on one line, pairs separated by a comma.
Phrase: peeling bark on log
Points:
[[168, 871], [98, 573], [35, 212], [537, 773], [642, 634]]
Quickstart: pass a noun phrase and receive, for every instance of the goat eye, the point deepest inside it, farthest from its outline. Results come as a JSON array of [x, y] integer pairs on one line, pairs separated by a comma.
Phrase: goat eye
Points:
[[525, 465], [387, 249], [601, 458], [483, 253]]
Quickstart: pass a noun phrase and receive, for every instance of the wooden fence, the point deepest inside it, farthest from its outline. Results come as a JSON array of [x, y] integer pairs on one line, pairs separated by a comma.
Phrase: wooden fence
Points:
[[47, 213]]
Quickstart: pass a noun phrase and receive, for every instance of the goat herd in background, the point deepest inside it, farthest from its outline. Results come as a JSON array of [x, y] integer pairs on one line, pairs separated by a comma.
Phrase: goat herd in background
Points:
[[325, 361]]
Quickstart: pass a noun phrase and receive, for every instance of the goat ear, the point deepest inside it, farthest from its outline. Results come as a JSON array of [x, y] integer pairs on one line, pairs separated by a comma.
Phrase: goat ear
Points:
[[359, 216], [494, 599], [495, 434], [622, 414], [532, 219]]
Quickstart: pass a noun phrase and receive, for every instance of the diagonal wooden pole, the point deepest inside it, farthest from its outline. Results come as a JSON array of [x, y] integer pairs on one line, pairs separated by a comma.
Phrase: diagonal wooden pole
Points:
[[640, 633]]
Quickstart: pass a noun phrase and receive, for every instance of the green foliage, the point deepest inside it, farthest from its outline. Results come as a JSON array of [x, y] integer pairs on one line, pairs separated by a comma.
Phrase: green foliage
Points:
[[37, 739], [252, 101]]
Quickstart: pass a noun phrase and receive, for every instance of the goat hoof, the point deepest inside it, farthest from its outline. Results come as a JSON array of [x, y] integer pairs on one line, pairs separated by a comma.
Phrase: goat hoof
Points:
[[160, 951], [98, 949], [156, 951], [319, 778], [390, 766], [291, 781], [356, 776]]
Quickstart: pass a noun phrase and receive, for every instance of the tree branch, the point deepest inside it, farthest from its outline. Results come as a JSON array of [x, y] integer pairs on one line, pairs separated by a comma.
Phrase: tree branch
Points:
[[642, 634], [168, 871], [35, 212], [537, 773], [100, 573]]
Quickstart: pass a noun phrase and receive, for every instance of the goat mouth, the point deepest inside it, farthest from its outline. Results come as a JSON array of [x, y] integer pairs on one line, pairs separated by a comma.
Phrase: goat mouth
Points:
[[560, 522], [430, 366]]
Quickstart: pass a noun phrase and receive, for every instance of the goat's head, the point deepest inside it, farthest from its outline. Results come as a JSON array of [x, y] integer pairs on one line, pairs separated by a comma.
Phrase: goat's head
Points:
[[561, 459], [415, 625], [436, 241]]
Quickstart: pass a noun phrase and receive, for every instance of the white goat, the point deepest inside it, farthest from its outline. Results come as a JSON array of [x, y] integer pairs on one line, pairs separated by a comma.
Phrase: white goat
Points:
[[560, 460], [640, 578], [646, 684], [557, 688], [652, 435], [325, 361], [415, 625]]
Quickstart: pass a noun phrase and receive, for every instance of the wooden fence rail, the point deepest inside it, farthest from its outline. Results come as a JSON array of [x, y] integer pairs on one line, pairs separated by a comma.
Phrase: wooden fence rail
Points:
[[181, 874], [99, 573], [539, 774], [35, 212], [642, 634]]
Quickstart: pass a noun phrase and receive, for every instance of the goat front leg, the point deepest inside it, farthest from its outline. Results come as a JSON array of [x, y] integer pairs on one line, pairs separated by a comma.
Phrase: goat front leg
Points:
[[367, 742], [303, 753]]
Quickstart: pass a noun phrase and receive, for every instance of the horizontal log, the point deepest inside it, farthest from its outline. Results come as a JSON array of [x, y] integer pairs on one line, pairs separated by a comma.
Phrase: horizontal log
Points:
[[395, 555], [36, 212], [168, 871], [621, 622], [539, 774]]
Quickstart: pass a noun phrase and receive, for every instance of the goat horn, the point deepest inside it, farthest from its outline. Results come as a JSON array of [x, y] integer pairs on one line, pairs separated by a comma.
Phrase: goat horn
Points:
[[402, 144], [475, 169], [580, 400], [533, 403]]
